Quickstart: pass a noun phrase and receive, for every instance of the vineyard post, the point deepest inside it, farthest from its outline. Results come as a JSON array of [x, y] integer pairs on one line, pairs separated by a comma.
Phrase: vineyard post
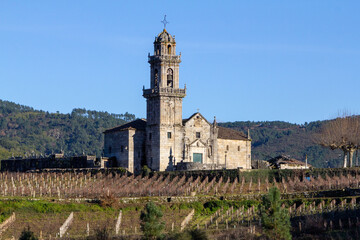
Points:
[[118, 222], [66, 224]]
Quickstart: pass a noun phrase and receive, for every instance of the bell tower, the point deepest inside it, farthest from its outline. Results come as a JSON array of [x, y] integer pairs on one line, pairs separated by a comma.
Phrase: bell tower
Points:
[[164, 140]]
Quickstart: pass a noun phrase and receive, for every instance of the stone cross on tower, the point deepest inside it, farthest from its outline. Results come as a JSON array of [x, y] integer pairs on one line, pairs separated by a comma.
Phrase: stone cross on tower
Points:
[[165, 22]]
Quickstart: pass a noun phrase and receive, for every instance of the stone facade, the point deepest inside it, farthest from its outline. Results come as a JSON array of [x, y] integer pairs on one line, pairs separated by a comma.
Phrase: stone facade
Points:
[[125, 144], [234, 153], [164, 139]]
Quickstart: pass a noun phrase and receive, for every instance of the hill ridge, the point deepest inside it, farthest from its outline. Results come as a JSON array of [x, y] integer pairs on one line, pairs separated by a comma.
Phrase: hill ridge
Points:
[[25, 131]]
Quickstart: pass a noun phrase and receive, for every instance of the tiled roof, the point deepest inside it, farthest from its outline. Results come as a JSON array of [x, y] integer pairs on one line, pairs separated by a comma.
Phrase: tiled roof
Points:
[[138, 124], [184, 121], [227, 133], [285, 160]]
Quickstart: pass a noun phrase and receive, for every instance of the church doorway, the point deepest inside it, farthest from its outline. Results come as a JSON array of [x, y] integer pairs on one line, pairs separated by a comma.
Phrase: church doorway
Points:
[[197, 157]]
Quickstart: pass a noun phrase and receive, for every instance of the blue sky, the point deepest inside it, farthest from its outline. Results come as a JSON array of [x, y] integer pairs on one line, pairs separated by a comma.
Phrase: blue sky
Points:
[[292, 61]]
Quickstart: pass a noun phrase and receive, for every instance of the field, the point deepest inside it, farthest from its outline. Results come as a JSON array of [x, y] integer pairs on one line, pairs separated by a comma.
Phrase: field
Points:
[[222, 200], [72, 185]]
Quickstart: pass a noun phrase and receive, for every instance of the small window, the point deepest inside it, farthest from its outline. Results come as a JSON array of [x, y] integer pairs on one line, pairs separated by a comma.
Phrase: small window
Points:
[[122, 148], [227, 147], [169, 134], [170, 76], [239, 148], [169, 49], [198, 134]]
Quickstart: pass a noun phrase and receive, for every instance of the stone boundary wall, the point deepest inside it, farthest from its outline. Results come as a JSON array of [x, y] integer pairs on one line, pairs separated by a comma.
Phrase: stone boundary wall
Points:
[[4, 226], [66, 225], [92, 171], [54, 161], [187, 220], [191, 166]]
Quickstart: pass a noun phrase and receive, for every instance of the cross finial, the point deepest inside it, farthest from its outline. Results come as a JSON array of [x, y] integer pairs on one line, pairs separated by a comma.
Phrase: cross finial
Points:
[[164, 22]]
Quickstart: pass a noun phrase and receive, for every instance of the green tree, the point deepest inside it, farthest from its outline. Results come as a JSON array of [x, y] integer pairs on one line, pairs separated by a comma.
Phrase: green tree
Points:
[[27, 234], [275, 219], [151, 223], [145, 170]]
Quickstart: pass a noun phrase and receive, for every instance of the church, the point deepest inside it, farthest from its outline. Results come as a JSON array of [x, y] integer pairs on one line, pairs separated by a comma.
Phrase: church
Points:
[[164, 141]]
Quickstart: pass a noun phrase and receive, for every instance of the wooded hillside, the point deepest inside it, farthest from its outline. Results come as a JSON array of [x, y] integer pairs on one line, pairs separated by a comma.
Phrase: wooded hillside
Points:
[[24, 130], [270, 139]]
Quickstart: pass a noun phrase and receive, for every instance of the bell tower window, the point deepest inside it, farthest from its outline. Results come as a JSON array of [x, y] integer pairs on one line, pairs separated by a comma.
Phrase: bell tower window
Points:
[[156, 78], [169, 49], [170, 82]]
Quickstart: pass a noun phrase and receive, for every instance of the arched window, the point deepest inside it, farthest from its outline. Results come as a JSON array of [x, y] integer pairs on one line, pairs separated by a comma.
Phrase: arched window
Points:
[[156, 78], [170, 78], [169, 49]]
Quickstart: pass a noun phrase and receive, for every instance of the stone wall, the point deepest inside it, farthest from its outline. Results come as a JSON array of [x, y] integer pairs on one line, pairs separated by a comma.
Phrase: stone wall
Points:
[[26, 164], [234, 153], [191, 166], [127, 147], [164, 114], [116, 145], [136, 150]]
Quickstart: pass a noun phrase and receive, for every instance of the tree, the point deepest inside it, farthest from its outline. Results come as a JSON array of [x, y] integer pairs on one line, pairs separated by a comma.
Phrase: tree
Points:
[[27, 234], [275, 219], [341, 133], [151, 223]]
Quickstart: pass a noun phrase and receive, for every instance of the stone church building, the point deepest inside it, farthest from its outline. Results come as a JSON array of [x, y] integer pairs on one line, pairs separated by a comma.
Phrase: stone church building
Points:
[[165, 141]]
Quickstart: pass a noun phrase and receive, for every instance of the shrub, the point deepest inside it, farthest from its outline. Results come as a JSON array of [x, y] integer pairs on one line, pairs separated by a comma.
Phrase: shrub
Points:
[[194, 234], [275, 219], [102, 234], [151, 223], [213, 205], [145, 171], [109, 201], [197, 234], [27, 234]]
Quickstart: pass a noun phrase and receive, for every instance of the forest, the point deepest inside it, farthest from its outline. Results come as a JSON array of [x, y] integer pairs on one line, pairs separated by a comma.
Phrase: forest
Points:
[[25, 131], [28, 132]]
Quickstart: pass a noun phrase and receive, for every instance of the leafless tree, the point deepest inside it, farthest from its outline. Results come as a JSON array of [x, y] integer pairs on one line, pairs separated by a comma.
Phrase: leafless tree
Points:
[[341, 133]]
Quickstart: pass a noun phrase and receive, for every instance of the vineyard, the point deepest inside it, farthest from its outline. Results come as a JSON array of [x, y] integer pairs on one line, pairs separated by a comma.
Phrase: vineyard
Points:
[[81, 202], [92, 186]]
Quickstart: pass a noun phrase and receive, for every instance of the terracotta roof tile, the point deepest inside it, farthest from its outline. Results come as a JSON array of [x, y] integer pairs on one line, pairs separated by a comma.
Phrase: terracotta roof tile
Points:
[[277, 161], [138, 124], [227, 133]]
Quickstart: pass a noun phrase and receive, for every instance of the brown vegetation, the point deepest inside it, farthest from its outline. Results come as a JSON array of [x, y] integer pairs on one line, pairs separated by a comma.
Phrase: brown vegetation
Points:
[[341, 133]]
